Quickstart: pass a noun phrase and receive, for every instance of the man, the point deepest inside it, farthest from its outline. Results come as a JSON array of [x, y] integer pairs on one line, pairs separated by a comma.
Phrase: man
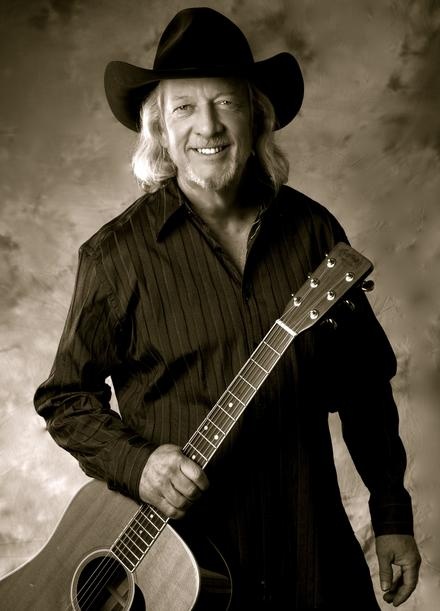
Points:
[[174, 294]]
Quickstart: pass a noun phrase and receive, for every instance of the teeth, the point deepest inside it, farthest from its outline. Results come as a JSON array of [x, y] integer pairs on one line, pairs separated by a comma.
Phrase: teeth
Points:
[[210, 151]]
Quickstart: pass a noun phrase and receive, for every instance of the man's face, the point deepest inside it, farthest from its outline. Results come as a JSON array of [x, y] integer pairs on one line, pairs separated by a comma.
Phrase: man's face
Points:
[[207, 129]]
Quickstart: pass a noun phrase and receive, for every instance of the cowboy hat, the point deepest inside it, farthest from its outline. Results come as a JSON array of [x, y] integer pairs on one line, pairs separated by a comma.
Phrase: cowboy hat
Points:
[[201, 42]]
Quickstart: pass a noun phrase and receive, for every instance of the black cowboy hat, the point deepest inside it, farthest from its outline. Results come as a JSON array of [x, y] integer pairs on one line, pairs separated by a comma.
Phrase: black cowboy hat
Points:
[[200, 42]]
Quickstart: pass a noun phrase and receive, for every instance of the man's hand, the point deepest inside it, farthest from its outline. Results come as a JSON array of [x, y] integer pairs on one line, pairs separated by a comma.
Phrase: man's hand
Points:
[[171, 482], [400, 550]]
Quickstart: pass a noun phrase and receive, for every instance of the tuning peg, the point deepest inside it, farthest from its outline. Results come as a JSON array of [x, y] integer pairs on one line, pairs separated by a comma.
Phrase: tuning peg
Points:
[[350, 305], [367, 286], [330, 323]]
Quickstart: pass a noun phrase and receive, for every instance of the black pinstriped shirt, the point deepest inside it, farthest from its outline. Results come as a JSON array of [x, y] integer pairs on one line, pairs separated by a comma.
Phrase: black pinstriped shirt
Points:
[[160, 308]]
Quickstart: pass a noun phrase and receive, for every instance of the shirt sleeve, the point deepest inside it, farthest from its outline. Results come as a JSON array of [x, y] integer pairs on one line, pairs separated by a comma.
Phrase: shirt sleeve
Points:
[[361, 364], [75, 399]]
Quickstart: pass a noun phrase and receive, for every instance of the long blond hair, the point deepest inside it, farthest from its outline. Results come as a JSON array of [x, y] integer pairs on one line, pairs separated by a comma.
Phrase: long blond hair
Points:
[[153, 167]]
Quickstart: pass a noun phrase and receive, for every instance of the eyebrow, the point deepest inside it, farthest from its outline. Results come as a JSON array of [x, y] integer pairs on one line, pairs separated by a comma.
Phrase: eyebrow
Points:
[[188, 95]]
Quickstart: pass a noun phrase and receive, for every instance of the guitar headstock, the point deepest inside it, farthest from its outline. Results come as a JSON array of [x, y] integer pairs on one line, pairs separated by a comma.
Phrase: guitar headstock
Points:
[[341, 270]]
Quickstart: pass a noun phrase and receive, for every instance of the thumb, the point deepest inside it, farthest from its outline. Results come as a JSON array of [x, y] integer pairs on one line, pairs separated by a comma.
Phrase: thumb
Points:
[[385, 572]]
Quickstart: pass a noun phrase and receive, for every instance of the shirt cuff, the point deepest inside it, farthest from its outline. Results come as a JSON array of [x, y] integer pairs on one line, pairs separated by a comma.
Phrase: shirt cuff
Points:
[[392, 518], [130, 458]]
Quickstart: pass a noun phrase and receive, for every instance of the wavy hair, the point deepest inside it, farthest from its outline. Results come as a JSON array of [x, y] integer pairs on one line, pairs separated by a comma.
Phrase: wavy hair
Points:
[[153, 167]]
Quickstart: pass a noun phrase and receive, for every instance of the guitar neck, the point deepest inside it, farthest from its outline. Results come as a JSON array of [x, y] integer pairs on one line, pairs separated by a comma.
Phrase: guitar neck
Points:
[[213, 430]]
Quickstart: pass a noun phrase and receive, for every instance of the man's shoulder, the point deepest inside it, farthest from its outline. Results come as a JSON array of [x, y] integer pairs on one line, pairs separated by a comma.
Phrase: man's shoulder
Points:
[[121, 226], [301, 213]]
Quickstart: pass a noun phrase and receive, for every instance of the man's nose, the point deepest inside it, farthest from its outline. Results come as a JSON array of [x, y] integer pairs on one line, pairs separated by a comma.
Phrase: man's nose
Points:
[[208, 121]]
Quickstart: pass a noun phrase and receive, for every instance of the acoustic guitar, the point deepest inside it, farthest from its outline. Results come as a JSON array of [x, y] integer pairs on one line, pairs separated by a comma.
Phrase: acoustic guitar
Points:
[[108, 553]]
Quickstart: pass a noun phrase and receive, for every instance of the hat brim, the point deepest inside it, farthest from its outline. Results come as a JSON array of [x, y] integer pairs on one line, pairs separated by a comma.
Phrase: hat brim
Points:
[[279, 78]]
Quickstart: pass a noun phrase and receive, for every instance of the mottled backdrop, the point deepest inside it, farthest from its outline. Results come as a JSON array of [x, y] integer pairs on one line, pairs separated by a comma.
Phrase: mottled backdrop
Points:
[[366, 144]]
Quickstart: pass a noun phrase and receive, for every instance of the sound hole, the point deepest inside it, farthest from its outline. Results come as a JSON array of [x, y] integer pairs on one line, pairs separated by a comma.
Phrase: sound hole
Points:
[[103, 585]]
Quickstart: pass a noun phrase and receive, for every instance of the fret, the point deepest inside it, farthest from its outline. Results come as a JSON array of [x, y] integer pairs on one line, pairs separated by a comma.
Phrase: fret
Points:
[[201, 444], [265, 356], [136, 537], [219, 433], [222, 421], [135, 541], [241, 392], [195, 455], [247, 382], [236, 398], [232, 404], [260, 366], [276, 351], [225, 412], [153, 517], [252, 374], [126, 555], [278, 338], [206, 439], [140, 530]]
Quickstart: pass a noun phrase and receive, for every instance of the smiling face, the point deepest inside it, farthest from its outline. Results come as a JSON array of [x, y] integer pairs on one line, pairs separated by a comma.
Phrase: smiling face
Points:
[[207, 130]]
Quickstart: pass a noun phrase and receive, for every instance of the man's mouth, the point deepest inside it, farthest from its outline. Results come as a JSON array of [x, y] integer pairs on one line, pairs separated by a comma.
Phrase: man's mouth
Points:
[[213, 150]]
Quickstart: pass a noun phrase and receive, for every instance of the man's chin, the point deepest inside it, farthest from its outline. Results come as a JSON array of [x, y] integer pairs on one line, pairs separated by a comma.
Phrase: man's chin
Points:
[[213, 182]]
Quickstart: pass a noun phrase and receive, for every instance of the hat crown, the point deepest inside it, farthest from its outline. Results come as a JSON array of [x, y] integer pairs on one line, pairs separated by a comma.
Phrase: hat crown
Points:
[[198, 37]]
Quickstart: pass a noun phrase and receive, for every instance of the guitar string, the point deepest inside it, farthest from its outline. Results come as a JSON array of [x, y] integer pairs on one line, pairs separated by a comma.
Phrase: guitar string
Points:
[[101, 574], [278, 333]]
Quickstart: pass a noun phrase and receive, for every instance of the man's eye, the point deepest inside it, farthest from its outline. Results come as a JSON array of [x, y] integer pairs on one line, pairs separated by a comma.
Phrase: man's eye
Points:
[[182, 108], [225, 102]]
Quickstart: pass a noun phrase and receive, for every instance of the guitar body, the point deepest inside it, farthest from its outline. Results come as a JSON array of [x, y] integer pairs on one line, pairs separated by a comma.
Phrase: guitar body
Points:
[[66, 573]]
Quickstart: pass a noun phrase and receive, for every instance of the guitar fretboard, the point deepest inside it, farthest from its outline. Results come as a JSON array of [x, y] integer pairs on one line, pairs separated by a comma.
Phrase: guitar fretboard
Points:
[[210, 434]]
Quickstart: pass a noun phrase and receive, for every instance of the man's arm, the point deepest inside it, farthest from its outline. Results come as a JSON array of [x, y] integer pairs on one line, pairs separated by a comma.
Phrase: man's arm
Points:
[[74, 400], [370, 427]]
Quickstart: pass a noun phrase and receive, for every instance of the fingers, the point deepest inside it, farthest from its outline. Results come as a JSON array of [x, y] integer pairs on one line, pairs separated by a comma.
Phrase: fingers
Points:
[[194, 473], [386, 578], [173, 504], [405, 585], [171, 481], [399, 550], [385, 571], [399, 591]]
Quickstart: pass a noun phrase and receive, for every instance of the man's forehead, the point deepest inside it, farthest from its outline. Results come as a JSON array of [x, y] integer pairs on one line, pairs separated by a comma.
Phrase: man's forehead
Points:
[[177, 88]]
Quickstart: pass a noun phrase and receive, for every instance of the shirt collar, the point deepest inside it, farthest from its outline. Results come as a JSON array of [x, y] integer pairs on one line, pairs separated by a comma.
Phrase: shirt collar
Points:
[[173, 206]]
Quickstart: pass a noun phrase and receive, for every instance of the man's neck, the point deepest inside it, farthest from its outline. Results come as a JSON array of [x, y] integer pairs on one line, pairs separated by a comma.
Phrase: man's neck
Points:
[[216, 205], [229, 213]]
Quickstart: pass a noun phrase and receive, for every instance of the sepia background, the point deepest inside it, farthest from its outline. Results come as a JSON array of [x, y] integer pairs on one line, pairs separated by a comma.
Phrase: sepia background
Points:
[[366, 144]]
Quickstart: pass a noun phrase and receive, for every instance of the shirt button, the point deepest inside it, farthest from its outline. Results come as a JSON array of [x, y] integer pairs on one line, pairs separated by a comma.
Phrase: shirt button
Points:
[[247, 292]]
